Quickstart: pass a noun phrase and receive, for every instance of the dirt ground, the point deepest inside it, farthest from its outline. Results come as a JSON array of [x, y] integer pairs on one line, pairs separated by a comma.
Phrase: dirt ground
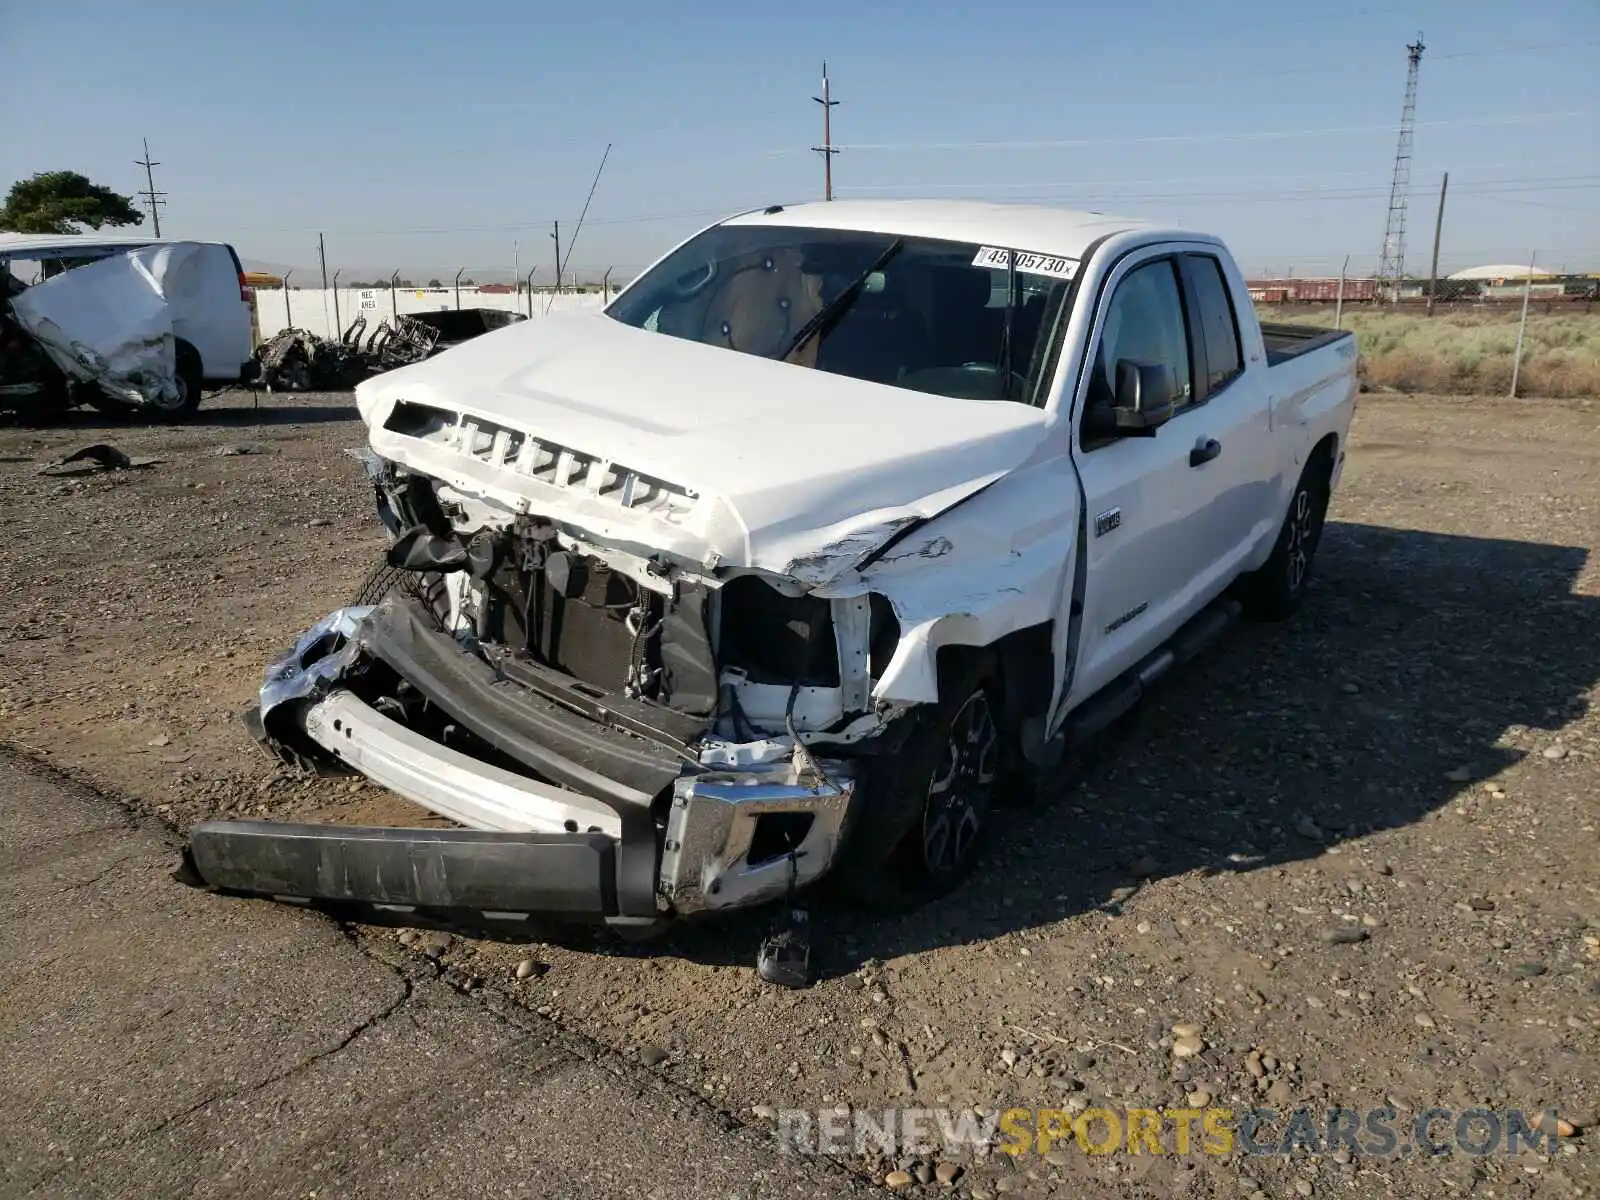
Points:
[[1358, 851]]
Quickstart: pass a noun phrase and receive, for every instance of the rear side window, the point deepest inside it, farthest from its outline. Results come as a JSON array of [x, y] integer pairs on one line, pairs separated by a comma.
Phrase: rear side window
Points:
[[1219, 328]]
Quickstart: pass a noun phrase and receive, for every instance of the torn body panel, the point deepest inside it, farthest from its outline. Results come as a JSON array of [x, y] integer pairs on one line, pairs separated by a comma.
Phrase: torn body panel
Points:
[[386, 691], [109, 323], [999, 563]]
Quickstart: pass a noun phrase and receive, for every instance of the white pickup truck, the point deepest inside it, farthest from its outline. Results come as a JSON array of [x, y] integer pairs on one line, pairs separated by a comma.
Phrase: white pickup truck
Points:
[[840, 520]]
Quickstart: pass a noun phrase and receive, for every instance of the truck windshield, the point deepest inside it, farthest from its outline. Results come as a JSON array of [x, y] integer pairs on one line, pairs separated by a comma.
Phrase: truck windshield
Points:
[[950, 318]]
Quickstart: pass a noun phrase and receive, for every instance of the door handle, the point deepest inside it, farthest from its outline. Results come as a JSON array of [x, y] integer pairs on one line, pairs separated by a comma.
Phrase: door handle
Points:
[[1204, 451]]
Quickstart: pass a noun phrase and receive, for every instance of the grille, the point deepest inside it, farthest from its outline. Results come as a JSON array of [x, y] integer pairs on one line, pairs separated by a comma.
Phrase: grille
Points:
[[521, 453]]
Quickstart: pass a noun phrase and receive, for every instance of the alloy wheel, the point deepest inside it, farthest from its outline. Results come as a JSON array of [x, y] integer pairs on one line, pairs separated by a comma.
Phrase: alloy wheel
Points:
[[1302, 536], [959, 793]]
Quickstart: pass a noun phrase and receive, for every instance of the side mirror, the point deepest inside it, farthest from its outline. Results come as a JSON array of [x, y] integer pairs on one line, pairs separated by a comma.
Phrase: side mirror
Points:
[[1145, 398]]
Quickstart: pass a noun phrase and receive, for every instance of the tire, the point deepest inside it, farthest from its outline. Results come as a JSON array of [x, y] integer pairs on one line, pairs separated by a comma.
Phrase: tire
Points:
[[191, 382], [428, 588], [1276, 591], [921, 813]]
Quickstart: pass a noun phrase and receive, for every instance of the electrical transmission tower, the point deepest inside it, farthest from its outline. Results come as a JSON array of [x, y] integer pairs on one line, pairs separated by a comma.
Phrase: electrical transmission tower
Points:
[[827, 149], [1392, 262], [152, 197]]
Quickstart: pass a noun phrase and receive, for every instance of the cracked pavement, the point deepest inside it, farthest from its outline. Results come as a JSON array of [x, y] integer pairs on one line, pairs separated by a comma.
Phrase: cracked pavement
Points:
[[160, 1041]]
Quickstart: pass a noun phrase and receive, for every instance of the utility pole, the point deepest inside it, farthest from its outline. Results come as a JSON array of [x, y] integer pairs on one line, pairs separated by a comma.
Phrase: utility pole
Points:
[[322, 257], [1392, 260], [1438, 228], [1522, 325], [1338, 300], [151, 196], [827, 149], [557, 236]]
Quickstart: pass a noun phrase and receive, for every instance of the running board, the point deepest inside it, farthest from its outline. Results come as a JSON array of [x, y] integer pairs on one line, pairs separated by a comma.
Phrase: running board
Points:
[[1119, 696]]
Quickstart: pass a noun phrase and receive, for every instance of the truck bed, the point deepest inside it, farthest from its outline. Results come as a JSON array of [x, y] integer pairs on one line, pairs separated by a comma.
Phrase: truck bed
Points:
[[1284, 342]]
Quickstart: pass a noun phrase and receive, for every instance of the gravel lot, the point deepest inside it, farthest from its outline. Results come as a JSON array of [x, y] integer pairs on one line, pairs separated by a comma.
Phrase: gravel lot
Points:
[[1358, 851]]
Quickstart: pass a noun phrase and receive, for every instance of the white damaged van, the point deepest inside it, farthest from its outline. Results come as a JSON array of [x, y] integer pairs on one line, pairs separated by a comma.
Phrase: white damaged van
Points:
[[150, 321]]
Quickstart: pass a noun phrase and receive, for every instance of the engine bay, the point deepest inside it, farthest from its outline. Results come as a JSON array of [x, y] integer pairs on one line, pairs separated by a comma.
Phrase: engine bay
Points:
[[750, 658]]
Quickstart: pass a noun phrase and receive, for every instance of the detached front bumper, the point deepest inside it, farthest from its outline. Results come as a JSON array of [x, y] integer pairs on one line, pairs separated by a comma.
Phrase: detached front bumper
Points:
[[597, 822]]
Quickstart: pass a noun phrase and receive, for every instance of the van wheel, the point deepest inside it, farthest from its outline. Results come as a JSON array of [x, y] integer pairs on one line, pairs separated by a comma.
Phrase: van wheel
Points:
[[1278, 588], [191, 381], [922, 813]]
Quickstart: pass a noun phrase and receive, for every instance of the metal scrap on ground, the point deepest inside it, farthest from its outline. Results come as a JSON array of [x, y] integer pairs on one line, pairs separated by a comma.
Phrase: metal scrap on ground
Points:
[[100, 456]]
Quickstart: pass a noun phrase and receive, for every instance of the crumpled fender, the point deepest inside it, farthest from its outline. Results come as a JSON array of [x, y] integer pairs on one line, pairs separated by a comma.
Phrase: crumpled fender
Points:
[[985, 568]]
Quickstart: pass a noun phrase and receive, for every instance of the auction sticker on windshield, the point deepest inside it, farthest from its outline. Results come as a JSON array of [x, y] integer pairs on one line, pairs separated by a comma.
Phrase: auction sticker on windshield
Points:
[[1031, 264]]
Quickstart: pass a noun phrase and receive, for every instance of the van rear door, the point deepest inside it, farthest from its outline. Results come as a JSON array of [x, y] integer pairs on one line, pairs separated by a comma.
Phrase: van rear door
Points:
[[211, 310]]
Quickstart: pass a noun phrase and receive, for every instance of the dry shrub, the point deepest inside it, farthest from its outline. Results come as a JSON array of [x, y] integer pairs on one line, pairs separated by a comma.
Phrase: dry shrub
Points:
[[1470, 352], [1560, 375]]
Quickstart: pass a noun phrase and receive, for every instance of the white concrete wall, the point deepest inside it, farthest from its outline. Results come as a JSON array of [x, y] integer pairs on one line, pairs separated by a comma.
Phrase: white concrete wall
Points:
[[312, 308]]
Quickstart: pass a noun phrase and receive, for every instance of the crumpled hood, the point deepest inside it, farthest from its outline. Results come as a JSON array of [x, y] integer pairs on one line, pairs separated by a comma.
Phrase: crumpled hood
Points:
[[762, 464]]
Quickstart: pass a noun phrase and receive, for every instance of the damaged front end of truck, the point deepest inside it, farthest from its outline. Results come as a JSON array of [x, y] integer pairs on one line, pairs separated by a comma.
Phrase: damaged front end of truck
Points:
[[663, 629], [625, 739], [623, 733]]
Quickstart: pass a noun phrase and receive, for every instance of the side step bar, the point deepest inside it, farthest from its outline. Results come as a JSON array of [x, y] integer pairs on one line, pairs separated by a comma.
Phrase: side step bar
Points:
[[1122, 693]]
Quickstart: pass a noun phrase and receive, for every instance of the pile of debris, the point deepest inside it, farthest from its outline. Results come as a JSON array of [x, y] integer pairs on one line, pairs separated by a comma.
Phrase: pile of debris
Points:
[[297, 360]]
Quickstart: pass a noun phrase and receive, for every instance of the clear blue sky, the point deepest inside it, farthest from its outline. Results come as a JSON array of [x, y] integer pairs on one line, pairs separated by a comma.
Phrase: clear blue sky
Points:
[[426, 135]]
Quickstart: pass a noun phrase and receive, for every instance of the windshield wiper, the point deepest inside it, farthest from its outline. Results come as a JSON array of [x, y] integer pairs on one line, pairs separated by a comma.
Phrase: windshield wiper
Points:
[[828, 315]]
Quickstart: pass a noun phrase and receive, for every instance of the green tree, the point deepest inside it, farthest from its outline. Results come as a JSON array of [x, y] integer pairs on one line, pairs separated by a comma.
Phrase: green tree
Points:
[[61, 202]]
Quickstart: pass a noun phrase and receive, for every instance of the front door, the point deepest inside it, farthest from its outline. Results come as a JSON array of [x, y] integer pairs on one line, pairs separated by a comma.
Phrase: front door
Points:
[[1146, 498]]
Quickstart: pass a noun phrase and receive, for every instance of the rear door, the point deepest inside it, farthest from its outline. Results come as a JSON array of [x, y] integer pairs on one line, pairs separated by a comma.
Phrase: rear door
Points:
[[210, 310], [1232, 420], [215, 319]]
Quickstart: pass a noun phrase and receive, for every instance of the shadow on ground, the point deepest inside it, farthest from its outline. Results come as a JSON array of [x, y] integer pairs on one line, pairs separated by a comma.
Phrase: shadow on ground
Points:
[[234, 409], [1381, 702]]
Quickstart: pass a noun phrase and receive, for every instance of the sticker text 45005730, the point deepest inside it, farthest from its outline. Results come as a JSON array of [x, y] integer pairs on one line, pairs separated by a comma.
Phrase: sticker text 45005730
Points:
[[1054, 265]]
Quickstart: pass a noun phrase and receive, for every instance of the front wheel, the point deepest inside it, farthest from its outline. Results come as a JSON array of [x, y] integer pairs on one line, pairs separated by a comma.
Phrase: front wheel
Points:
[[922, 812], [1278, 588]]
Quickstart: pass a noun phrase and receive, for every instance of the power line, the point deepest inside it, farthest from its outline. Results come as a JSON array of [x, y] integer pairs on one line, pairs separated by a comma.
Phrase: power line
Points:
[[1092, 194], [1114, 185], [153, 198], [1345, 68], [1090, 191], [1504, 51], [1161, 138]]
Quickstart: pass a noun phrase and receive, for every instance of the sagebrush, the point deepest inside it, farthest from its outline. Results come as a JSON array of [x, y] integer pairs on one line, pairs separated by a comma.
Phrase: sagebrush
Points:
[[1468, 352]]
